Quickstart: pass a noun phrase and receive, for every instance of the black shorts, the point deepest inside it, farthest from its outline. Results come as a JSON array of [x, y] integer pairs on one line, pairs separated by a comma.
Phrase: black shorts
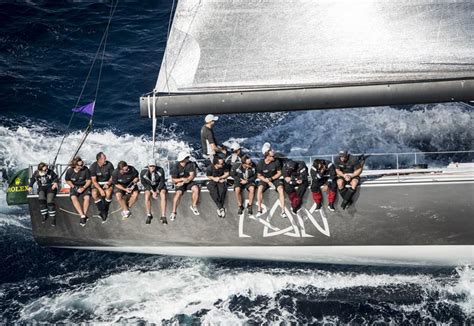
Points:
[[155, 188], [123, 192], [73, 192], [244, 186], [316, 184], [346, 182], [185, 187], [276, 183]]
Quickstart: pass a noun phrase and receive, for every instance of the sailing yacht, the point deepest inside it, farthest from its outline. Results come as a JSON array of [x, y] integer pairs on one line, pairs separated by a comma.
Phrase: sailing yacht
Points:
[[256, 56]]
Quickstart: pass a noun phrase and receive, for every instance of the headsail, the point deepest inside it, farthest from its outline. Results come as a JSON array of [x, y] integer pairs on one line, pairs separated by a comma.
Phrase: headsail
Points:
[[247, 55]]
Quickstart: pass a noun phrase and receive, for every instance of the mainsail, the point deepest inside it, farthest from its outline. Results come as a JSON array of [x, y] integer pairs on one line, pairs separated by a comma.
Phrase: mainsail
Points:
[[226, 56]]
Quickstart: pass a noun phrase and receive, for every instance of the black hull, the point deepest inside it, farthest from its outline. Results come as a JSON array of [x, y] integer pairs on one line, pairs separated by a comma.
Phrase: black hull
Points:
[[392, 219]]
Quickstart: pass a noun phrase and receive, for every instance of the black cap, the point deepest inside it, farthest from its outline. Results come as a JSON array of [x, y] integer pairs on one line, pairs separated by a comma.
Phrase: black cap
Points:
[[343, 153]]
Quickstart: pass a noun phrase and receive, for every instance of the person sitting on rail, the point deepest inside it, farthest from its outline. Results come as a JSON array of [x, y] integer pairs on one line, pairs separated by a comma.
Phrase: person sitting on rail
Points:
[[217, 173], [269, 173], [125, 180], [101, 176], [235, 156], [323, 177], [183, 173], [348, 170], [78, 177], [47, 181], [208, 140], [153, 180], [295, 177], [244, 175]]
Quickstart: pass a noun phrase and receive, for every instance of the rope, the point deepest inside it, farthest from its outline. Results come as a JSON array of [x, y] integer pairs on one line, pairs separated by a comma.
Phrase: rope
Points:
[[102, 42]]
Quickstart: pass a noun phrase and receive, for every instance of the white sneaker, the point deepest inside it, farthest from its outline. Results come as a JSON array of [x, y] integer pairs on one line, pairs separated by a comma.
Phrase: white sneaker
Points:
[[259, 213], [222, 212], [283, 215], [194, 209], [173, 216], [125, 214], [219, 212]]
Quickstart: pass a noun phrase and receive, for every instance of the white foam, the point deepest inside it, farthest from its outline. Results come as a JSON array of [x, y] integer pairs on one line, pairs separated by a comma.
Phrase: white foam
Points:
[[160, 294], [22, 146], [377, 129]]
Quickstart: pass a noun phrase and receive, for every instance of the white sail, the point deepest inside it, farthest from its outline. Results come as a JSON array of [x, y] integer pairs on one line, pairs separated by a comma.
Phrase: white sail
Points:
[[227, 46]]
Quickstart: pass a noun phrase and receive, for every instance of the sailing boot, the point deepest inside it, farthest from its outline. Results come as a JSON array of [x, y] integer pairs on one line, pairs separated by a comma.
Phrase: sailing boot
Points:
[[241, 210], [107, 205], [52, 214], [350, 193], [149, 218], [102, 210], [163, 220]]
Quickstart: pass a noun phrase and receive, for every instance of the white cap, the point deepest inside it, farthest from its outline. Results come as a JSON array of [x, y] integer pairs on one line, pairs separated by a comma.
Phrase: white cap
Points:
[[151, 162], [210, 117], [235, 147], [182, 156], [266, 147]]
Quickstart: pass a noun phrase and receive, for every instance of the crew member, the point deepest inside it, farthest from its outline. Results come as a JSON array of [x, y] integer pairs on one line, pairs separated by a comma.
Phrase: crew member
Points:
[[78, 177], [217, 173], [182, 175], [153, 180], [269, 173], [235, 156], [125, 180], [244, 175], [47, 181], [348, 170], [295, 177], [208, 140], [101, 176], [323, 177]]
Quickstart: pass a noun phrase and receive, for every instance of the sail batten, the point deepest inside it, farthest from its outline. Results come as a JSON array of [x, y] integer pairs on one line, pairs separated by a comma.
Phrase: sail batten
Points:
[[219, 46]]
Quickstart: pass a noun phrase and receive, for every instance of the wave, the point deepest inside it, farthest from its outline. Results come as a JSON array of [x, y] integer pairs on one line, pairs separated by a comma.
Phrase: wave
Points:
[[431, 127], [22, 146], [206, 292]]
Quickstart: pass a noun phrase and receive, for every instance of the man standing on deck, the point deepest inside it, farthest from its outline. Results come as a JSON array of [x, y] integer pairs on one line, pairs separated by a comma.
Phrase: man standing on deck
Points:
[[153, 180], [323, 177], [244, 175], [217, 173], [295, 177], [182, 176], [269, 173], [348, 170], [101, 175], [125, 180], [208, 140]]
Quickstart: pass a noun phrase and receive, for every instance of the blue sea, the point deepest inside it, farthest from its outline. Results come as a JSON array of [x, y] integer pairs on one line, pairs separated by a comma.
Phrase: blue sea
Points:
[[46, 49]]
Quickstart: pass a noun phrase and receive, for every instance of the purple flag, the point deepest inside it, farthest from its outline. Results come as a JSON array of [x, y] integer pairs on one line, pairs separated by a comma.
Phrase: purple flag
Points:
[[86, 109]]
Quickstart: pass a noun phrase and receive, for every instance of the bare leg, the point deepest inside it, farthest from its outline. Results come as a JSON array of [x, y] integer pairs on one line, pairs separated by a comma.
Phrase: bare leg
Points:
[[238, 196], [281, 197], [121, 201], [163, 194], [133, 198], [148, 201], [77, 205], [86, 203], [251, 195], [195, 195], [259, 197], [176, 200], [108, 194]]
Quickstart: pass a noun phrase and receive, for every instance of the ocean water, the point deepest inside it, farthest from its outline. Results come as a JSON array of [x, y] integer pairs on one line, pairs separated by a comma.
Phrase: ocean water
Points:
[[45, 53]]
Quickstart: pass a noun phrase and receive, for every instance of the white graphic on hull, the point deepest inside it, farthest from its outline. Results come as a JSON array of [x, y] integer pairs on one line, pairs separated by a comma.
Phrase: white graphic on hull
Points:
[[295, 229]]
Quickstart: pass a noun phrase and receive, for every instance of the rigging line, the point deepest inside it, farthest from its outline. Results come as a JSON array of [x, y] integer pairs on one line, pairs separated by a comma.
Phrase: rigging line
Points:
[[167, 39], [82, 90], [112, 12]]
